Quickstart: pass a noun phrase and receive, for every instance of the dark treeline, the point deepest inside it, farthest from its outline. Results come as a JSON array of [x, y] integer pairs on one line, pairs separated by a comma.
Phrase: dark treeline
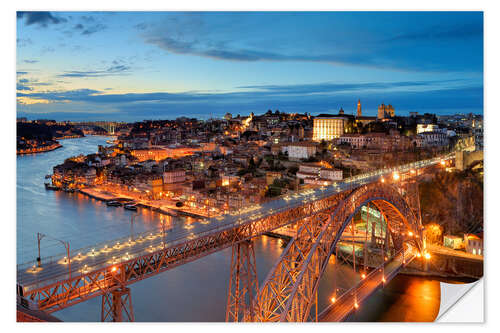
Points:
[[34, 131]]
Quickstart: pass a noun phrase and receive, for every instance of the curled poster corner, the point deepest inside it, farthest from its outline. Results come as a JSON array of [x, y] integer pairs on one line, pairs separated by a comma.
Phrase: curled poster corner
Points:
[[461, 302]]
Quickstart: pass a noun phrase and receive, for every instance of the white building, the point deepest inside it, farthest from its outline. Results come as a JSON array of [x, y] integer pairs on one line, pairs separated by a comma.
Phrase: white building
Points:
[[315, 173], [421, 128], [299, 150], [434, 139], [328, 127]]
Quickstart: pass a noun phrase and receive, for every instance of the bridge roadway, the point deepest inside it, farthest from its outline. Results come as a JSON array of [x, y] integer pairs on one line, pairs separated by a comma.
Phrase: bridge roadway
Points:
[[345, 304], [101, 257]]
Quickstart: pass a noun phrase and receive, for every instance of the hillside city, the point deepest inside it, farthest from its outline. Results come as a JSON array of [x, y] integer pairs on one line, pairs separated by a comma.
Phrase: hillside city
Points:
[[209, 168]]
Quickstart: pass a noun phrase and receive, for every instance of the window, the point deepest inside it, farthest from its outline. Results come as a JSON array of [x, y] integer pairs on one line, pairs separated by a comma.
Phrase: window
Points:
[[474, 251]]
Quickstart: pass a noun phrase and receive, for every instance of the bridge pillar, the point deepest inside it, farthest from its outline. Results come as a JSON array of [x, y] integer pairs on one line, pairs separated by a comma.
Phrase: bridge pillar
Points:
[[243, 283], [115, 304]]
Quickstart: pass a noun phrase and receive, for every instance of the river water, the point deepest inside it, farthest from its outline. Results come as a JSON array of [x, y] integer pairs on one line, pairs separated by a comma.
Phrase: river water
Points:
[[196, 291]]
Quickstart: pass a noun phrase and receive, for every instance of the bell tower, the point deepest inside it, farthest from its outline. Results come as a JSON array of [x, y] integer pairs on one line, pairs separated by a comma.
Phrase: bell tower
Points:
[[359, 108]]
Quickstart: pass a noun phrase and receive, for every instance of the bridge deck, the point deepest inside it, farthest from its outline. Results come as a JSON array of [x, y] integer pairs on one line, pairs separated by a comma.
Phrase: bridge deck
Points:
[[345, 304]]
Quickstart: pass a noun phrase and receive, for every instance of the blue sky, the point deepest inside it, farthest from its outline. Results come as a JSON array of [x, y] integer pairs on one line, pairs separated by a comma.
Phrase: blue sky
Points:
[[160, 65]]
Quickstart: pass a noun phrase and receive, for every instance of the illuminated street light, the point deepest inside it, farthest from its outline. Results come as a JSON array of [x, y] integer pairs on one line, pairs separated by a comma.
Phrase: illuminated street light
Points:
[[427, 256], [356, 305], [333, 299], [395, 176], [363, 276], [382, 180], [410, 233]]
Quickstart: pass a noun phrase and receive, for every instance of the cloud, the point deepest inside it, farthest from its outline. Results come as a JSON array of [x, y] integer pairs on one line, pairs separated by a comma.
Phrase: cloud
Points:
[[111, 71], [22, 87], [289, 93], [87, 19], [141, 26], [247, 55], [43, 19], [93, 29], [30, 61], [342, 39], [329, 88], [163, 105]]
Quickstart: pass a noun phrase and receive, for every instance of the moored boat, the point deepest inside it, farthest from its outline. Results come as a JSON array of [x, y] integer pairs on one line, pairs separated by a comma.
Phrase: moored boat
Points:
[[114, 203], [130, 207]]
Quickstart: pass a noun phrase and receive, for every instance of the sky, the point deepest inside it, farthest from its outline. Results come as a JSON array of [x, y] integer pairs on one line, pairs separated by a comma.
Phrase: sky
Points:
[[131, 66]]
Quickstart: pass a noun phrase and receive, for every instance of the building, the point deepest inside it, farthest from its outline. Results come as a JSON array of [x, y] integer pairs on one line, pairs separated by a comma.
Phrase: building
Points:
[[453, 242], [359, 109], [477, 130], [318, 174], [434, 139], [328, 127], [156, 154], [473, 244], [421, 128], [174, 176], [356, 141], [299, 150], [385, 111]]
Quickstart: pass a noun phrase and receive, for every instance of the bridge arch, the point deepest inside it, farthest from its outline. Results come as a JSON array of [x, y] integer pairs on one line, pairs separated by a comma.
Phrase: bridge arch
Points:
[[289, 290]]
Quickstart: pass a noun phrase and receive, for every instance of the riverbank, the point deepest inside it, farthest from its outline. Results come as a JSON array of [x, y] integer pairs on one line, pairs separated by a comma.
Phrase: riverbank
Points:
[[37, 150], [70, 137], [107, 196]]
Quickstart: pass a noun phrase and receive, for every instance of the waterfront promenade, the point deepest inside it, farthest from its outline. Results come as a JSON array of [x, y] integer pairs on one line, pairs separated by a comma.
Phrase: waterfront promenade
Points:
[[162, 206]]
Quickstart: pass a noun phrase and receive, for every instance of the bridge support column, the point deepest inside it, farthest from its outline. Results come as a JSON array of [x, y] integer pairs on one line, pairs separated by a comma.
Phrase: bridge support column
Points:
[[243, 283], [115, 304]]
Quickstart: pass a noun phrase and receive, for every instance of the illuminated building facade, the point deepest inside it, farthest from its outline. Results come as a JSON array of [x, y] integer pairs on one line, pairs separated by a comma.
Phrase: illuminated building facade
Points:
[[385, 111], [328, 127]]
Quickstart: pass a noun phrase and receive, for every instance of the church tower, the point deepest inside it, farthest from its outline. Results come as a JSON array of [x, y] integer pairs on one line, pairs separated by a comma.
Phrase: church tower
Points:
[[359, 108]]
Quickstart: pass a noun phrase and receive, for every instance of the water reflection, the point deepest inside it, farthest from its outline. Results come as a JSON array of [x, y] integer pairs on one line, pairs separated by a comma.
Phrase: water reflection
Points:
[[405, 298]]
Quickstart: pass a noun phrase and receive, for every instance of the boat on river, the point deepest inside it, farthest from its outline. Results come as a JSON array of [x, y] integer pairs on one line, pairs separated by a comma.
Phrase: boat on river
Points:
[[114, 203], [130, 207]]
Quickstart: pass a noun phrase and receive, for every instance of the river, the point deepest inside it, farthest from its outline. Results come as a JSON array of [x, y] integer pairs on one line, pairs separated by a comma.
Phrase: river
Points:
[[196, 291]]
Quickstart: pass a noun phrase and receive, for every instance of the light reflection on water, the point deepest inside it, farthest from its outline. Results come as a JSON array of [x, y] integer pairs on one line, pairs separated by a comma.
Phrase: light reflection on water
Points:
[[196, 291]]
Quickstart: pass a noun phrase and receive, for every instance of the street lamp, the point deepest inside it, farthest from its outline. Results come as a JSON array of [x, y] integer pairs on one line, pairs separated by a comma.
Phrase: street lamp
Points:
[[132, 217], [39, 237]]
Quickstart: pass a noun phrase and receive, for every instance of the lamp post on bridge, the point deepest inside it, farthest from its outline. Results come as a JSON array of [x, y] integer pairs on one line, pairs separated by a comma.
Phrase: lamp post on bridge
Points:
[[132, 218], [39, 237]]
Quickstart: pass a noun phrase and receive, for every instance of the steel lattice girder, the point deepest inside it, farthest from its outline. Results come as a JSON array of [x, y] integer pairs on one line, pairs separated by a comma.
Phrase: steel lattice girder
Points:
[[288, 292], [115, 303], [243, 283]]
